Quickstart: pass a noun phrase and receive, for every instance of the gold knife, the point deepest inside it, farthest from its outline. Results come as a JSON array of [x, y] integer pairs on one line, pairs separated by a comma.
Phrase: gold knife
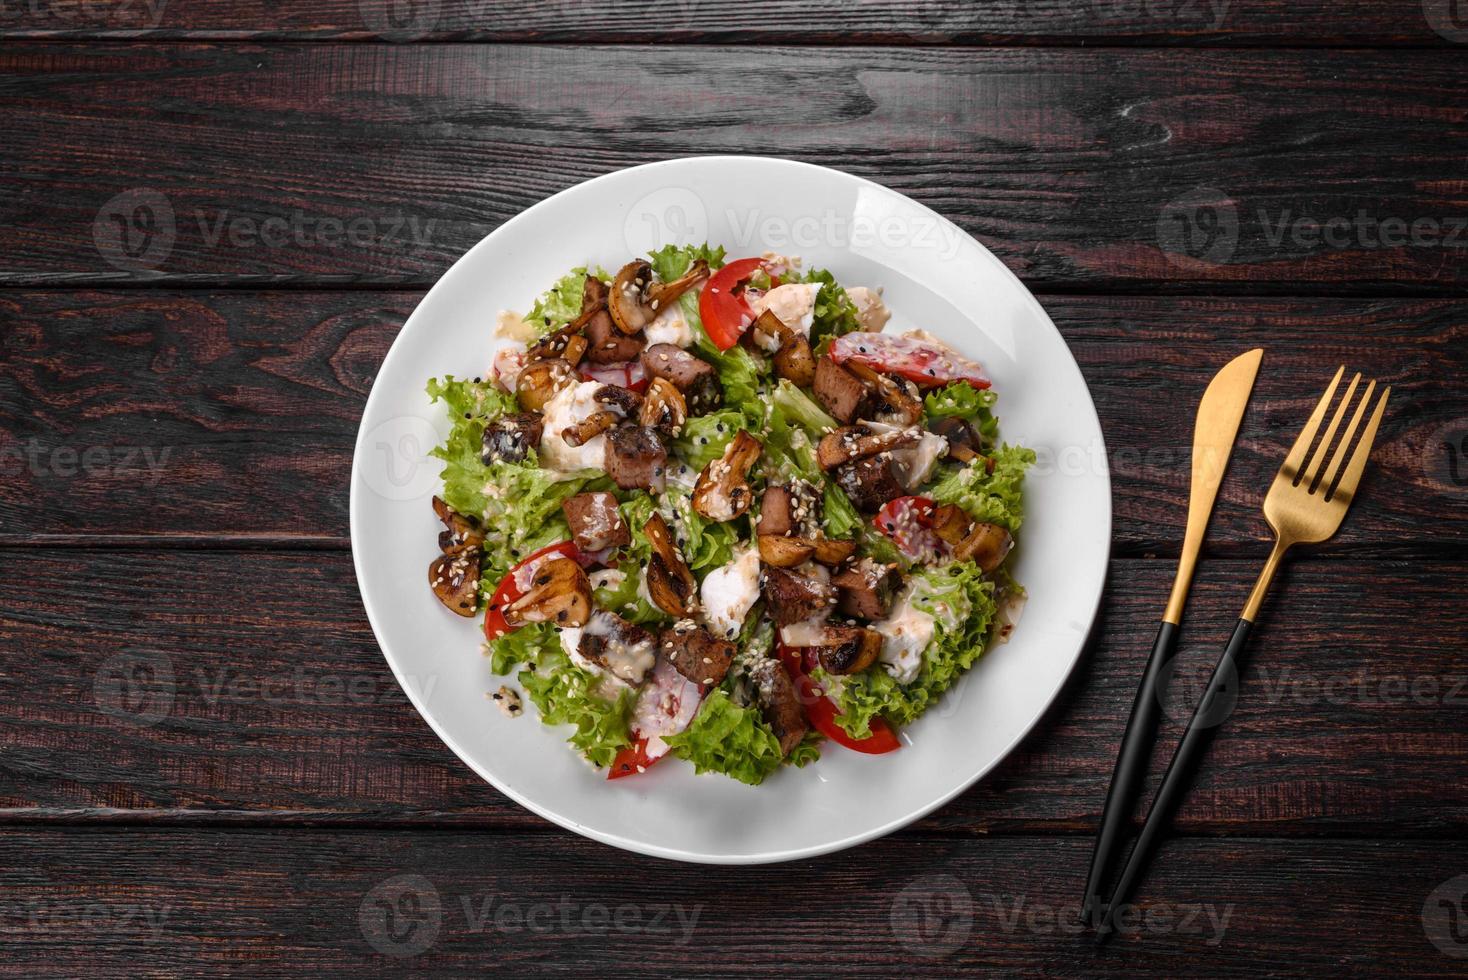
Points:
[[1219, 414]]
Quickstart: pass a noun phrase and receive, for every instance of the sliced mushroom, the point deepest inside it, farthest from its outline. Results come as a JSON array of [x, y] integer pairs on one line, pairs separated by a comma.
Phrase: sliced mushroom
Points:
[[539, 382], [723, 492], [454, 578], [625, 401], [663, 408], [964, 443], [987, 545], [670, 583], [901, 402], [852, 442], [849, 650], [559, 593], [589, 428], [636, 299], [511, 437], [793, 358], [829, 551], [783, 552], [950, 523], [557, 342], [462, 531]]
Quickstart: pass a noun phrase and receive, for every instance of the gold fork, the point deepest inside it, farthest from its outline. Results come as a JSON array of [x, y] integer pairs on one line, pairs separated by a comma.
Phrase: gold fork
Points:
[[1305, 505]]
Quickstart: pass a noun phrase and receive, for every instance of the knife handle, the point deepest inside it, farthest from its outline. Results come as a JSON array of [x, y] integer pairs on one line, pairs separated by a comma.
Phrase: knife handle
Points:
[[1131, 764]]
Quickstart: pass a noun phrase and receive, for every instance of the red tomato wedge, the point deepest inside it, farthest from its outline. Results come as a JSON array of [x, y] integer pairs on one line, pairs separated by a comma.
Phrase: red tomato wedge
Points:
[[821, 712], [724, 311], [631, 760], [908, 521], [926, 363], [623, 374], [514, 584]]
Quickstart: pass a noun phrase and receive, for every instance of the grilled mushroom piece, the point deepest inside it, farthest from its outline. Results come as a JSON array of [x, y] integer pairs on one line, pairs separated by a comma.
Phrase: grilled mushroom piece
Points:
[[841, 393], [635, 298], [783, 552], [779, 702], [539, 381], [831, 551], [695, 652], [950, 523], [511, 437], [670, 583], [636, 458], [850, 442], [793, 358], [559, 593], [624, 401], [664, 408], [455, 580], [987, 545], [565, 342], [462, 530], [589, 428], [902, 404], [723, 492], [849, 649], [964, 442]]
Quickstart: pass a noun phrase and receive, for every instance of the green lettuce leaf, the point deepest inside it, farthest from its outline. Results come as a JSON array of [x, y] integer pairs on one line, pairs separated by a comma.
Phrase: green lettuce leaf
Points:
[[560, 304], [705, 437], [963, 606], [565, 694], [960, 400], [835, 313], [671, 261], [994, 498], [726, 738]]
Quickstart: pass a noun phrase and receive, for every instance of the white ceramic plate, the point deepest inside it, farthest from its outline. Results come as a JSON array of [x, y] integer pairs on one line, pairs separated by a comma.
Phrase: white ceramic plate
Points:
[[935, 277]]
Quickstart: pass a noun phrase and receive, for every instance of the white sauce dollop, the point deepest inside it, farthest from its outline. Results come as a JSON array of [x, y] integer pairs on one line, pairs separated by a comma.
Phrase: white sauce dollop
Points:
[[906, 633], [573, 403], [729, 592], [794, 303]]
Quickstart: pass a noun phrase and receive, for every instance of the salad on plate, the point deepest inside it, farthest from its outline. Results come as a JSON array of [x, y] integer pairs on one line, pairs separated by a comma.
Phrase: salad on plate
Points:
[[711, 510]]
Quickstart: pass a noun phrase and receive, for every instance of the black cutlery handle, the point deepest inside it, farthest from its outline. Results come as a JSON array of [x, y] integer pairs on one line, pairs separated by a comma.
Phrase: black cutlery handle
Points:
[[1180, 771], [1131, 764]]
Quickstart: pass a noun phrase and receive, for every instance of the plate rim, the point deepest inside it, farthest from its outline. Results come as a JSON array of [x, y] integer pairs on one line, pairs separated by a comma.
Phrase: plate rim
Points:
[[652, 849]]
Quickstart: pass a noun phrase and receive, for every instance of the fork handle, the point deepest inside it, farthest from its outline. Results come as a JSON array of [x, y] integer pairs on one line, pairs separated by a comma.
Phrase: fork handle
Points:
[[1131, 764], [1180, 770]]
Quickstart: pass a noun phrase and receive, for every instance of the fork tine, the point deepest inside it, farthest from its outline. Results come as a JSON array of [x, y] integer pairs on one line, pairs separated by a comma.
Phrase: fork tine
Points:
[[1296, 458], [1352, 477], [1317, 459], [1340, 454]]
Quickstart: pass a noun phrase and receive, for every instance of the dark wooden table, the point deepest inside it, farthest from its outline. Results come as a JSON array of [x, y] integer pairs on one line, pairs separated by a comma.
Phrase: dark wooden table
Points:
[[216, 214]]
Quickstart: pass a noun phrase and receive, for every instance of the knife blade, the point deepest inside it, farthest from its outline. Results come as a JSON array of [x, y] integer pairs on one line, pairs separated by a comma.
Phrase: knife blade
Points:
[[1217, 425]]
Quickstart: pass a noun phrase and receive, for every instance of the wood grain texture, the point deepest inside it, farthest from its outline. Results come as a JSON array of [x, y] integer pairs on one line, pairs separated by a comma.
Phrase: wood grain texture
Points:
[[808, 22], [1103, 169], [279, 705], [226, 418], [401, 904]]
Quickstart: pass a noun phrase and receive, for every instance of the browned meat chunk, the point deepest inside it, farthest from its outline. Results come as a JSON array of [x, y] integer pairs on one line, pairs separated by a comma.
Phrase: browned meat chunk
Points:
[[794, 508], [613, 644], [510, 437], [792, 597], [841, 392], [636, 458], [595, 521], [697, 379], [697, 654], [865, 590], [870, 482], [780, 703], [607, 344], [593, 294]]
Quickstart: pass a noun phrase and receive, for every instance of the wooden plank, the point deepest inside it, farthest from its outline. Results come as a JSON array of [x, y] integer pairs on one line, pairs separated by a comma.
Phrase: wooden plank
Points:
[[1096, 169], [280, 707], [244, 407], [1056, 22], [415, 903]]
